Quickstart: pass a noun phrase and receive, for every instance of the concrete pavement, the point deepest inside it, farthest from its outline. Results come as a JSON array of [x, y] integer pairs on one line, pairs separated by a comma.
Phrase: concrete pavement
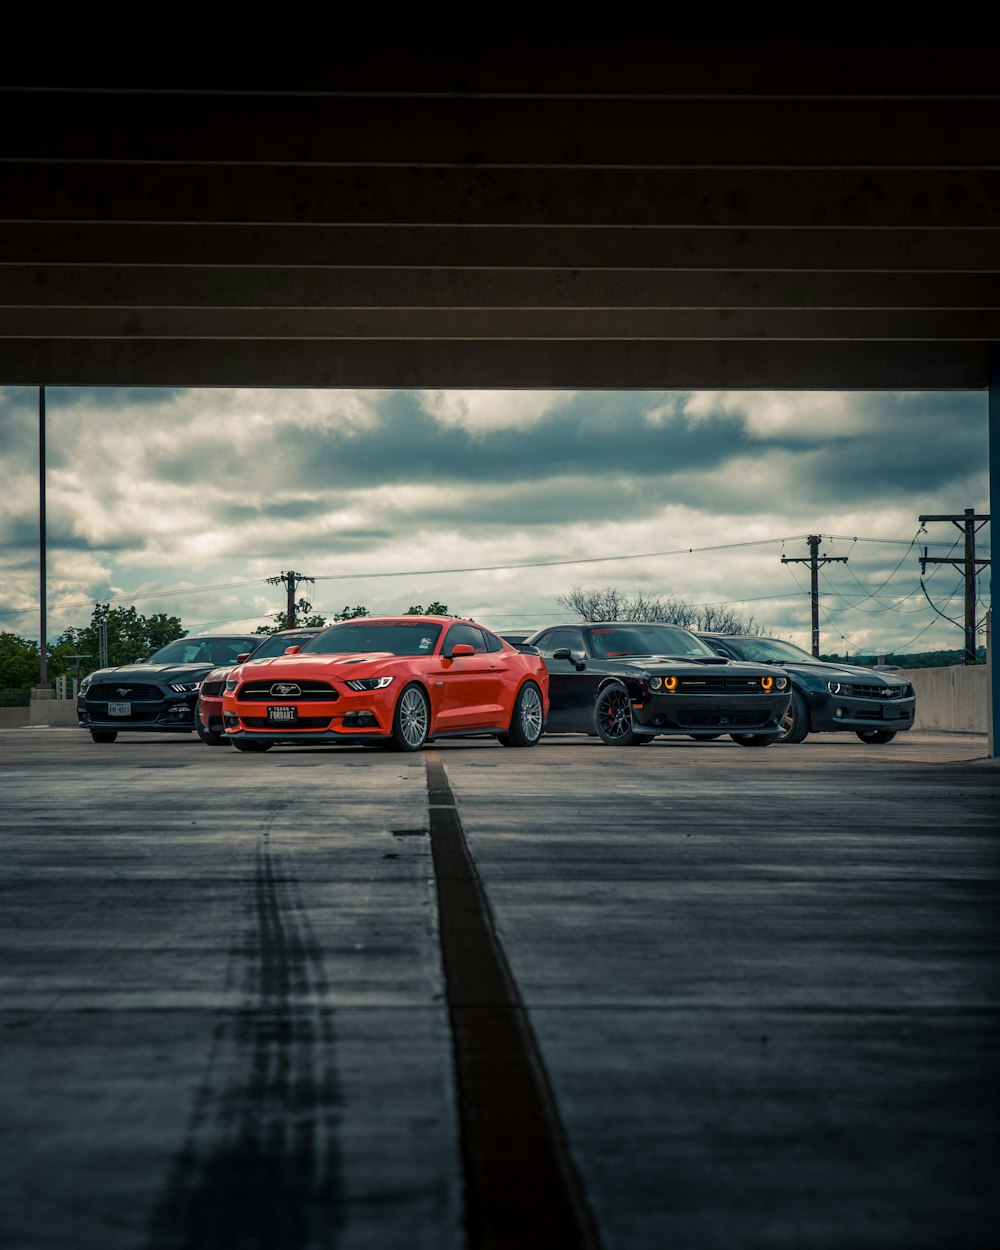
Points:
[[761, 983]]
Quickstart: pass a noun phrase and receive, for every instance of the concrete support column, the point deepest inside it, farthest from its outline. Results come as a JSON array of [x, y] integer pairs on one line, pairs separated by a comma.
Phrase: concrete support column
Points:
[[994, 406]]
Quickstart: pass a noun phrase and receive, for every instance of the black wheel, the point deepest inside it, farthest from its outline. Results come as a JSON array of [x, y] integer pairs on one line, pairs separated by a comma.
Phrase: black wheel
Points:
[[209, 736], [613, 716], [875, 736], [795, 722], [411, 720], [104, 735], [753, 740], [526, 721], [248, 744]]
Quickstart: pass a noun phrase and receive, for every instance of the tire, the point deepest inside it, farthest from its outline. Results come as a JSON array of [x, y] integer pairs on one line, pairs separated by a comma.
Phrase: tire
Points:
[[209, 736], [795, 722], [104, 735], [753, 740], [613, 716], [411, 720], [527, 719], [875, 736], [249, 745]]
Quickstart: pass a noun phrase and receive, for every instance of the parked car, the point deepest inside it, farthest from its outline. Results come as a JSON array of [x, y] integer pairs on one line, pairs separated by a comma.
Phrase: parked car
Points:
[[828, 697], [628, 681], [208, 709], [399, 681], [159, 694]]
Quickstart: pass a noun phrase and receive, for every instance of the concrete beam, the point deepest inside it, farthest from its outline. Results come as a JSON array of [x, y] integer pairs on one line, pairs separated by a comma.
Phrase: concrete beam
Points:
[[285, 287], [548, 364], [259, 245], [501, 130], [907, 198], [512, 324]]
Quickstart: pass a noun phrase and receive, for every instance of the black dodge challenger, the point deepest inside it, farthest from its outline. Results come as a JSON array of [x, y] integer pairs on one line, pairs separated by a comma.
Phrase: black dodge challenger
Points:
[[629, 681]]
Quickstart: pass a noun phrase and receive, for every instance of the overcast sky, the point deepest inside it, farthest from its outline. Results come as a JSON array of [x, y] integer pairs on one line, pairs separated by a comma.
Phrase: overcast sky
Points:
[[153, 491]]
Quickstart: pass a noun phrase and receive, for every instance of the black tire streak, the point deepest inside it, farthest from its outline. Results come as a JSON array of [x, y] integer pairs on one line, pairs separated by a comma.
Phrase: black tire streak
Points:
[[260, 1167]]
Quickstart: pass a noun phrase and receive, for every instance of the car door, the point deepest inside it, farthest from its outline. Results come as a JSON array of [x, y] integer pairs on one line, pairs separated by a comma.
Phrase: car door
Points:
[[572, 690], [470, 686]]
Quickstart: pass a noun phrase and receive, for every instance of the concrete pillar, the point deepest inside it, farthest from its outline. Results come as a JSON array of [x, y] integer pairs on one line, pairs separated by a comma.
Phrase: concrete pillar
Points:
[[994, 405]]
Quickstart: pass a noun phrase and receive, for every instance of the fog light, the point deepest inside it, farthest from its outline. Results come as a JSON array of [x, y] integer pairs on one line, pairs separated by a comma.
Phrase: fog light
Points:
[[841, 711], [232, 722]]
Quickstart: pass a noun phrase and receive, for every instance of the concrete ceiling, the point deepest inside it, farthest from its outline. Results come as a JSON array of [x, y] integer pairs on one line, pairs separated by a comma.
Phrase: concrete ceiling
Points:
[[656, 214]]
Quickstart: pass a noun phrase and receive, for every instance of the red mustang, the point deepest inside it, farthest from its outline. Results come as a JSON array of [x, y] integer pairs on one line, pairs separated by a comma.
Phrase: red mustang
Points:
[[399, 680]]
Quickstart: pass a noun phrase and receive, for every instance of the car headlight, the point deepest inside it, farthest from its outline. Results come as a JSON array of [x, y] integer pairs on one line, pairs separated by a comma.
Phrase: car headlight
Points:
[[655, 683], [781, 683], [833, 687], [369, 683], [231, 684], [85, 684], [182, 687]]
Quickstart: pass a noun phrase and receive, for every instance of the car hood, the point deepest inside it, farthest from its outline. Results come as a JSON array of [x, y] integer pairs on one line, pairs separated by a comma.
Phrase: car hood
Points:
[[151, 672], [279, 666], [824, 671]]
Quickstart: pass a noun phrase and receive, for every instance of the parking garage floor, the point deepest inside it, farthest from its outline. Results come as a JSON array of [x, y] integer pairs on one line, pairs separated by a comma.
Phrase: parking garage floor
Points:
[[688, 996]]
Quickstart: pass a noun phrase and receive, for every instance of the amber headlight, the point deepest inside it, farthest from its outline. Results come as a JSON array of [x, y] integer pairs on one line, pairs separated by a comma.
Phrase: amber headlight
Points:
[[767, 684], [670, 684]]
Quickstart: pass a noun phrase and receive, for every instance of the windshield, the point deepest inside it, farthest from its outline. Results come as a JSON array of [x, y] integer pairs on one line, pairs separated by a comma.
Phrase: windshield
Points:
[[393, 637], [614, 640], [277, 644], [219, 652], [768, 650]]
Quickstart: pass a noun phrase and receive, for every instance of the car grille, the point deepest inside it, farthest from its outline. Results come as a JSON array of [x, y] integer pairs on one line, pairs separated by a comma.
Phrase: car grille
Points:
[[733, 720], [140, 694], [304, 722], [212, 688], [713, 685], [312, 692], [874, 692]]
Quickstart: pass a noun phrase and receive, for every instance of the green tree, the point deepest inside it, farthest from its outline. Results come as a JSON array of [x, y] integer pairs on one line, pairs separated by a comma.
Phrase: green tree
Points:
[[20, 662], [131, 636], [432, 609], [277, 622]]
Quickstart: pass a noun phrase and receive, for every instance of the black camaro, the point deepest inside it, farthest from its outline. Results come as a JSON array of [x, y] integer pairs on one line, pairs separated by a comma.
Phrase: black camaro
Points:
[[825, 696], [156, 695], [628, 681]]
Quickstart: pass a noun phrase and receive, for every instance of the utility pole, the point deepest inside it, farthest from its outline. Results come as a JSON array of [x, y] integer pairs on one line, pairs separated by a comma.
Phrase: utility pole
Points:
[[814, 560], [291, 581], [967, 523]]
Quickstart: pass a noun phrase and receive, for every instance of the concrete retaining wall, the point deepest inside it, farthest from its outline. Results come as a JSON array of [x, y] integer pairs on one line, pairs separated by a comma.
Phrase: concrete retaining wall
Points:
[[953, 699], [41, 712]]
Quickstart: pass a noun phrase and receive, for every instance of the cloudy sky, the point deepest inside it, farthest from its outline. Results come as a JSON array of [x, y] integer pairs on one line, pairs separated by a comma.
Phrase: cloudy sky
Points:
[[185, 501]]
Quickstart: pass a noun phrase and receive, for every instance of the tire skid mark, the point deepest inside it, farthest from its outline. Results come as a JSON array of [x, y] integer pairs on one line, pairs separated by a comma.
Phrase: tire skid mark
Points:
[[522, 1190], [260, 1167]]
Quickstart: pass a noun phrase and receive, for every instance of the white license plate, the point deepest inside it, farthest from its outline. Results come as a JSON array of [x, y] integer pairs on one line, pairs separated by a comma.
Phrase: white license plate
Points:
[[282, 715], [119, 709]]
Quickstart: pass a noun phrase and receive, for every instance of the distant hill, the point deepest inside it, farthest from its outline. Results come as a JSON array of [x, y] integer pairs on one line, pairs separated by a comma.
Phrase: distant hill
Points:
[[919, 659]]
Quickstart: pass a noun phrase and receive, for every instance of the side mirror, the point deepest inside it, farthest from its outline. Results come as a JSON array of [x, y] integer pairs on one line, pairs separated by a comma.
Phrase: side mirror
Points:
[[564, 653], [293, 650], [140, 660], [240, 658], [461, 648]]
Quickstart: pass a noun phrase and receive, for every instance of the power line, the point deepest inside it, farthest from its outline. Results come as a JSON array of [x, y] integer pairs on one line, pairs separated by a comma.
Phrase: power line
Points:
[[152, 594]]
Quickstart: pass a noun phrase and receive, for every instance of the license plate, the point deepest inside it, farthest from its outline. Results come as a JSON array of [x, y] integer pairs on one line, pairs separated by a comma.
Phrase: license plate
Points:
[[119, 709], [283, 715], [890, 712]]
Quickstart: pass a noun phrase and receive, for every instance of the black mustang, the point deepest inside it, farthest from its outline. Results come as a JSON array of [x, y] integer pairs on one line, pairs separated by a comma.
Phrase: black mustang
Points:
[[628, 681]]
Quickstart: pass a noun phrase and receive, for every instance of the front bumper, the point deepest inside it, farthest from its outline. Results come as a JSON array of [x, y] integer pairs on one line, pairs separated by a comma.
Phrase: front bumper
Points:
[[349, 718], [166, 716], [708, 714], [830, 712]]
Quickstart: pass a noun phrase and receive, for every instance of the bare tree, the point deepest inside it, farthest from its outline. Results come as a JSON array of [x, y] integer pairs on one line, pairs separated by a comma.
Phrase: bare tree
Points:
[[611, 604]]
